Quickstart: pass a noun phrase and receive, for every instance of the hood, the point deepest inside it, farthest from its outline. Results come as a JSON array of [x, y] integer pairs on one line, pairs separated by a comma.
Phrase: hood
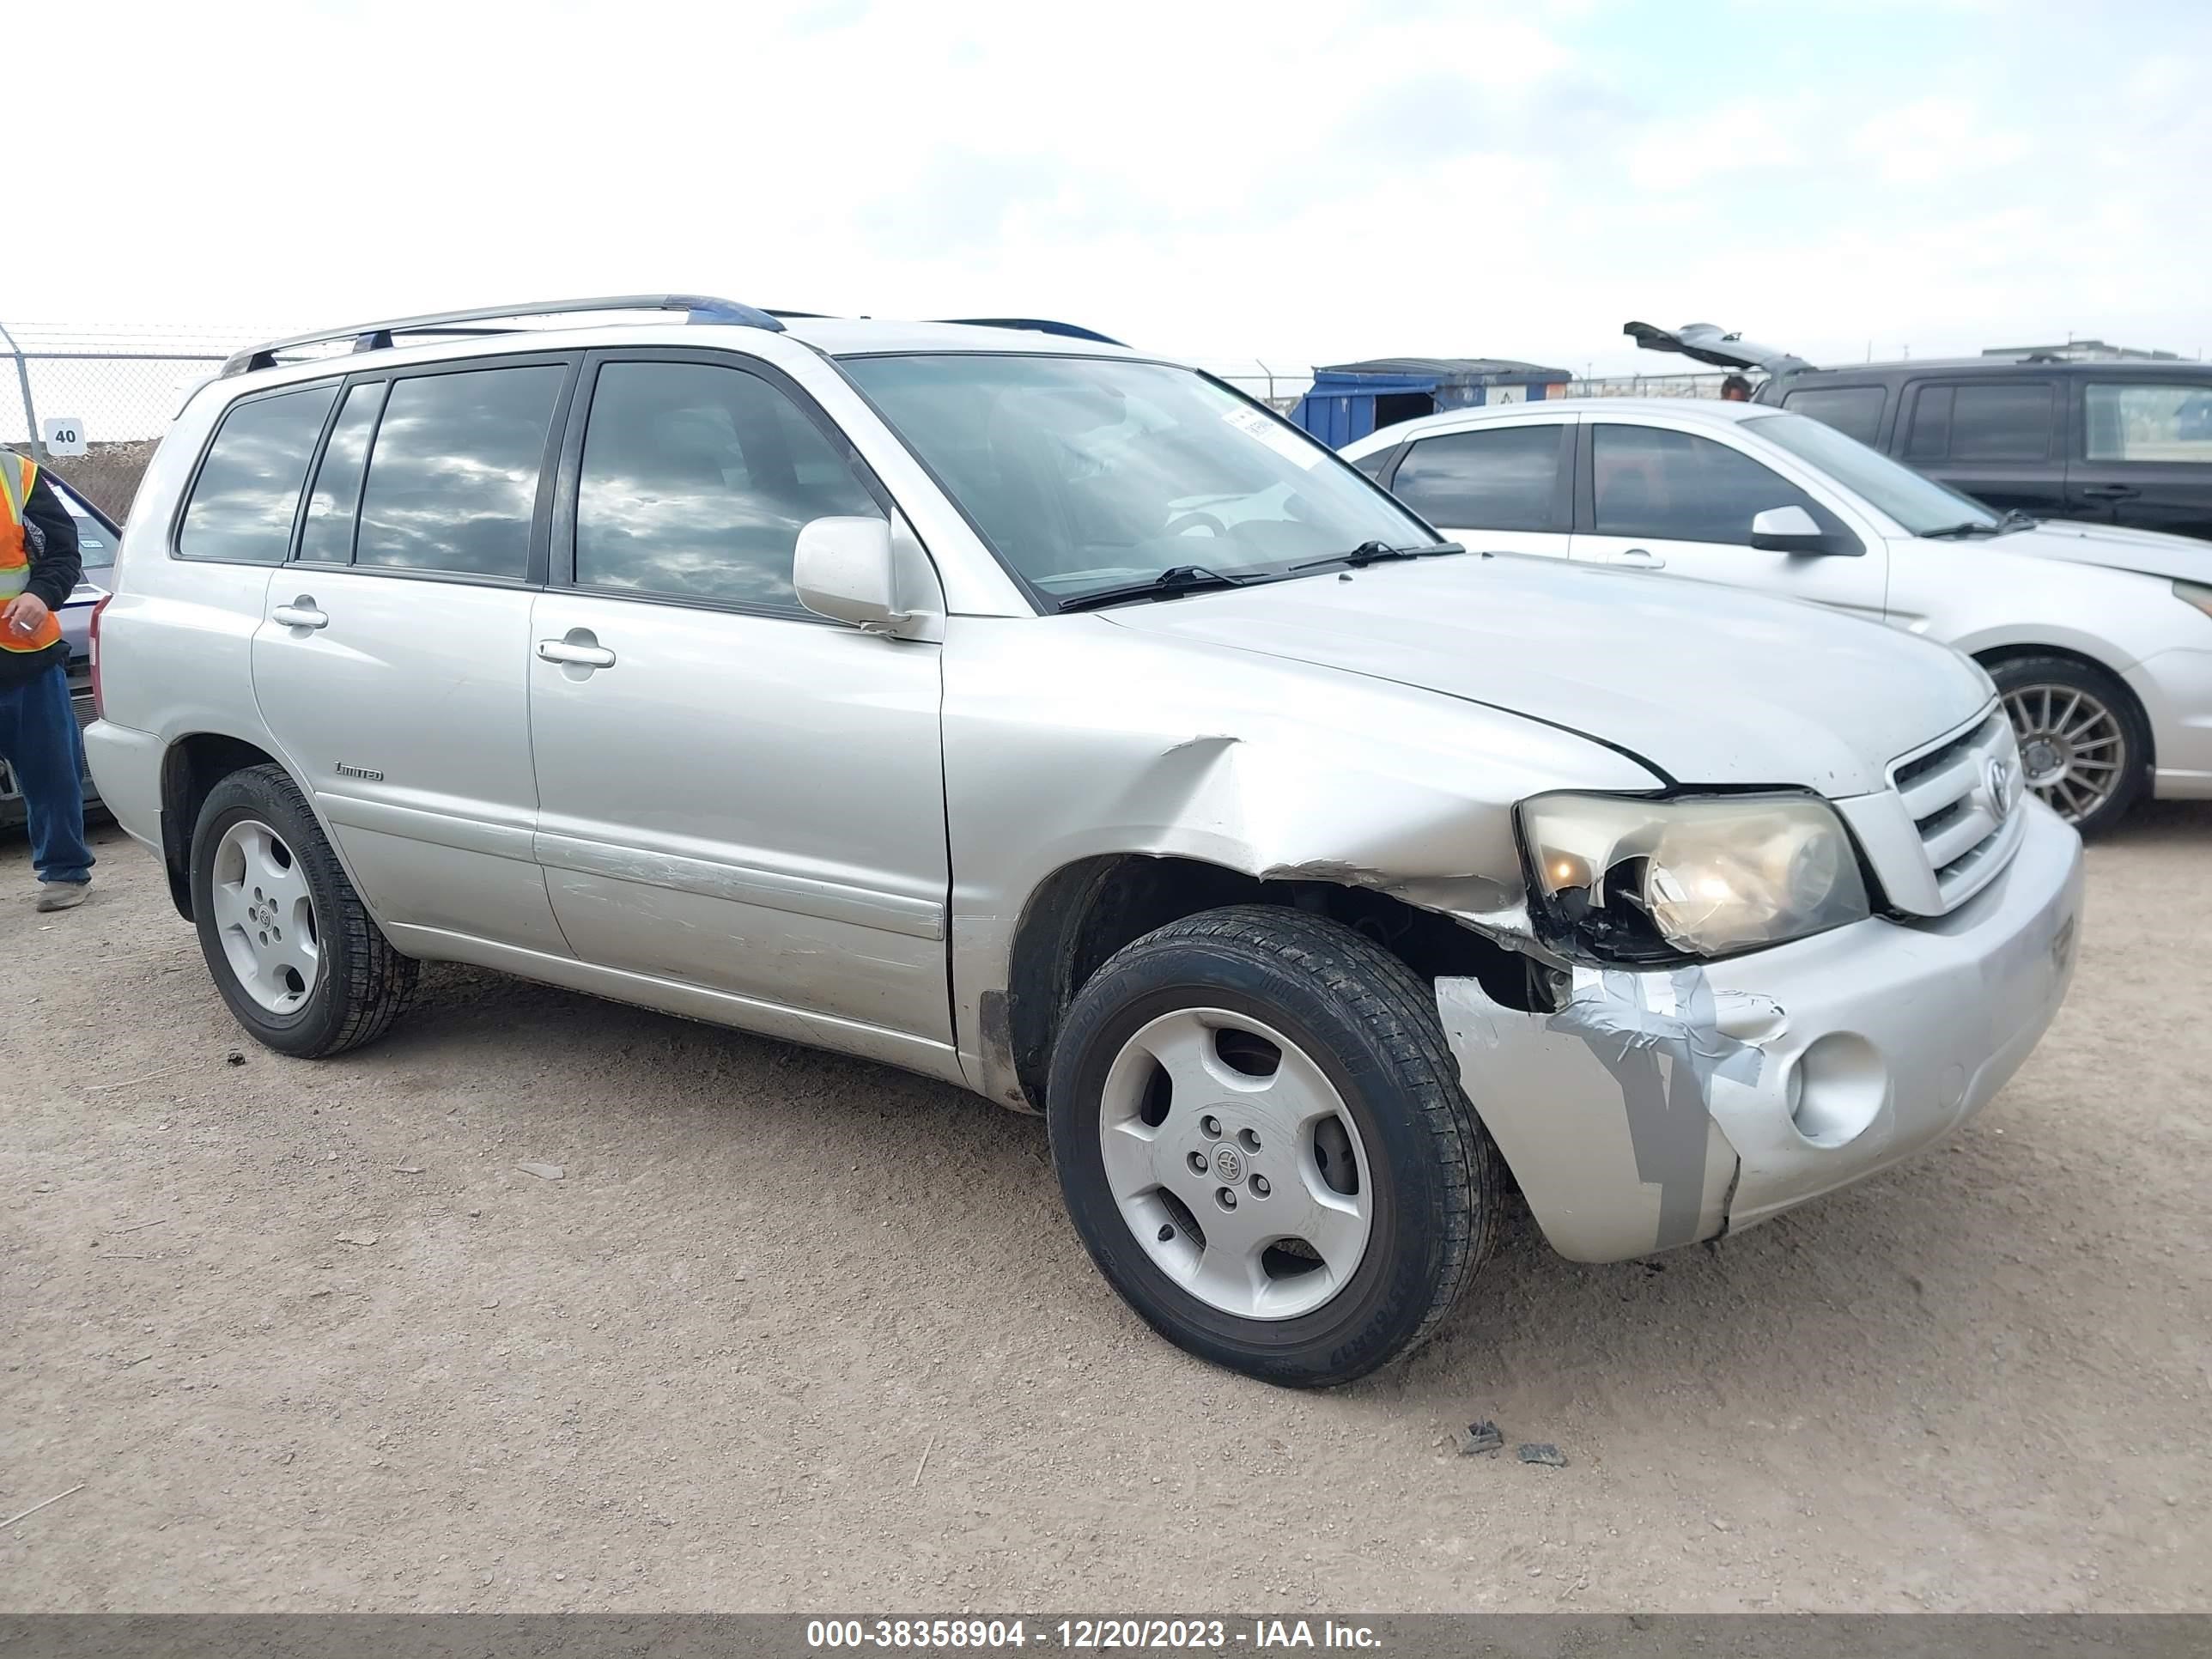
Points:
[[1706, 684], [2183, 558], [1705, 343]]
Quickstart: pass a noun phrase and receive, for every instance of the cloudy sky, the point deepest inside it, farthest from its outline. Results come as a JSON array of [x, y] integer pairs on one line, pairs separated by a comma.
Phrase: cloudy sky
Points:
[[1284, 181]]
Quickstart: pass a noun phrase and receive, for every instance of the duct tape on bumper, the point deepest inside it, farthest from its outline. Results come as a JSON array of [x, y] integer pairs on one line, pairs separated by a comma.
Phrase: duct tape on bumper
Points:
[[1658, 1109]]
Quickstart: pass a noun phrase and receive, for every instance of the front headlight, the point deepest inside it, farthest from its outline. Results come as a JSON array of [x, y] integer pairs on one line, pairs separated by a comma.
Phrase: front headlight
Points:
[[2196, 593], [1642, 881]]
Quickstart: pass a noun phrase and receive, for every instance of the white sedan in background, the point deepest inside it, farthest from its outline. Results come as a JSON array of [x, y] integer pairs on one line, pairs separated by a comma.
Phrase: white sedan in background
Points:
[[2100, 638]]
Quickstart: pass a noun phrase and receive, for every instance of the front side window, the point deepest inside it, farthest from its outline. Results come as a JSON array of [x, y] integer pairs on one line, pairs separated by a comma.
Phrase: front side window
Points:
[[1853, 410], [1676, 486], [452, 479], [696, 481], [1091, 473], [2147, 422], [248, 489], [1506, 478]]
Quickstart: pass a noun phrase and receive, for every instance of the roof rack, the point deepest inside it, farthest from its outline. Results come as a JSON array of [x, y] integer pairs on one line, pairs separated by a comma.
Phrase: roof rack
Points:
[[1035, 326], [377, 336]]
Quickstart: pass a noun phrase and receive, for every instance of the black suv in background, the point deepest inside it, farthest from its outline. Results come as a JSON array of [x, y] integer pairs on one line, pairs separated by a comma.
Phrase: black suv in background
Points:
[[2126, 442]]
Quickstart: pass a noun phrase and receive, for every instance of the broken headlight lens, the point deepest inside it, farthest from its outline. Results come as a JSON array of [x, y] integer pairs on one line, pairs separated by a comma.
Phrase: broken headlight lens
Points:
[[1639, 881]]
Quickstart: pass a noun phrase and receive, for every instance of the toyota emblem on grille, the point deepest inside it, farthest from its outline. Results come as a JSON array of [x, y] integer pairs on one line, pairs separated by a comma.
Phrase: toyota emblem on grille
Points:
[[2003, 786]]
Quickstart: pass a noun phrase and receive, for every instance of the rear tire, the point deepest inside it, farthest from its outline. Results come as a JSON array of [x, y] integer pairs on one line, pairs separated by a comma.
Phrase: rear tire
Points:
[[2084, 743], [1343, 1177], [287, 939]]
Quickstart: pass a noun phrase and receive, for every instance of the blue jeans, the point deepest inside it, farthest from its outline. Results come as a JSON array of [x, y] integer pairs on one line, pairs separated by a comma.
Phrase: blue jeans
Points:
[[40, 742]]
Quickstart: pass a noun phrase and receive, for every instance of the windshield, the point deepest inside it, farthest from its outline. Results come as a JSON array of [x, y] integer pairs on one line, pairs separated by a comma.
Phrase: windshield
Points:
[[1919, 504], [1089, 473]]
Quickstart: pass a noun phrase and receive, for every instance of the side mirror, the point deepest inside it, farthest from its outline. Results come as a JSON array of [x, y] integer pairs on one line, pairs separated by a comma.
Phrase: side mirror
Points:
[[1793, 530], [845, 569]]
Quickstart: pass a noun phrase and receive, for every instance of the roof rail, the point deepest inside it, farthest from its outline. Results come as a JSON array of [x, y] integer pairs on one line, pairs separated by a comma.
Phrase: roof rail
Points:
[[1035, 326], [376, 336]]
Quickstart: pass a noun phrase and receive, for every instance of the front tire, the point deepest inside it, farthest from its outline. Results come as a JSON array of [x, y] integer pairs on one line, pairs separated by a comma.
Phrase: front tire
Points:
[[287, 939], [1261, 1138]]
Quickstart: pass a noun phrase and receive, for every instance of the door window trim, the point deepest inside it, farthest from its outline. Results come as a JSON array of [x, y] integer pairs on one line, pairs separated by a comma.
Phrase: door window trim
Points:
[[2076, 452], [1834, 508], [561, 576], [1567, 453], [2058, 442], [533, 573]]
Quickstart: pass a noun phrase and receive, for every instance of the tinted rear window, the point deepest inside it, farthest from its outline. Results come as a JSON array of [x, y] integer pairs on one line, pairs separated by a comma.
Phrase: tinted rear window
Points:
[[452, 481], [1503, 479], [243, 501], [1853, 410], [1999, 421]]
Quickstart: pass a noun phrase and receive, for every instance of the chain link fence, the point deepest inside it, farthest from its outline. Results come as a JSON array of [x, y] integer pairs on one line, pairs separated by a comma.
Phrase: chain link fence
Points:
[[113, 390], [1644, 385]]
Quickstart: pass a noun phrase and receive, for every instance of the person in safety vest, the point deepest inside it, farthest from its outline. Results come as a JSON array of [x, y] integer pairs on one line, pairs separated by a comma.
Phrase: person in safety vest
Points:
[[39, 738]]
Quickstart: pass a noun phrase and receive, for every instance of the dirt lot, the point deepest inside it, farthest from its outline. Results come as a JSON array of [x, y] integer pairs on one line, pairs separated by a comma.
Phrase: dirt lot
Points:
[[795, 1331]]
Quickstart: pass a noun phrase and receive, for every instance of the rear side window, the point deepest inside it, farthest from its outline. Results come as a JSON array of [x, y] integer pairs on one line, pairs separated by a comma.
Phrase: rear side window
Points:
[[696, 481], [328, 537], [2148, 422], [1677, 486], [1503, 479], [1853, 410], [452, 479], [248, 489], [1999, 421]]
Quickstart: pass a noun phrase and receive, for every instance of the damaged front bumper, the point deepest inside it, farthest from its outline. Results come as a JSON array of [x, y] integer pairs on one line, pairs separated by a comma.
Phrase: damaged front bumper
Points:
[[1660, 1107]]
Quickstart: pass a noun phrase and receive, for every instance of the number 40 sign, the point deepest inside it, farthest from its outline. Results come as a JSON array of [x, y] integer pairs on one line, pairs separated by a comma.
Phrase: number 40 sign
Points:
[[63, 436]]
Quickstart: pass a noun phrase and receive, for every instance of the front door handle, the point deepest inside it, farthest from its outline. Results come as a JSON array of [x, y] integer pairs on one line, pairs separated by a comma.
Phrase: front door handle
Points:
[[303, 612], [2110, 492], [1639, 558], [579, 652]]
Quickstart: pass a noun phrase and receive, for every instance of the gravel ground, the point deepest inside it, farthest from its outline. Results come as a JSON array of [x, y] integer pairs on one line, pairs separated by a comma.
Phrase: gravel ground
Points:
[[795, 1331]]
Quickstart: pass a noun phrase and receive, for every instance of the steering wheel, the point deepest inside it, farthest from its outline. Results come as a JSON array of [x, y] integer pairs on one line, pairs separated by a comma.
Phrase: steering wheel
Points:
[[1195, 521]]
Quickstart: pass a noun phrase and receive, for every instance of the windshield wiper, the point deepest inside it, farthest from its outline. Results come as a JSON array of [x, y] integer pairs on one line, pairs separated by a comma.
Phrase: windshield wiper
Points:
[[1957, 532], [1168, 583], [1369, 553]]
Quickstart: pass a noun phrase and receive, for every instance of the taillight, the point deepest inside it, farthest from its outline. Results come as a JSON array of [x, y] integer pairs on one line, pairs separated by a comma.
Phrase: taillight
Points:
[[99, 708]]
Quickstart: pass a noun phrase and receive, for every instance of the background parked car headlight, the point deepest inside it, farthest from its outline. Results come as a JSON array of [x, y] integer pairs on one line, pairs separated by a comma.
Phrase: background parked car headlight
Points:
[[1643, 881]]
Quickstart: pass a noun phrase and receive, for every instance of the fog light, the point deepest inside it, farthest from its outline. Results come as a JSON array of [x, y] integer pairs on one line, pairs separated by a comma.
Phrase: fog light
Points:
[[1837, 1088]]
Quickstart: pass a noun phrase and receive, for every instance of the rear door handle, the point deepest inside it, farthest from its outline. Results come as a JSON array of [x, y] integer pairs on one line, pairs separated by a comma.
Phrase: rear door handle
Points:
[[569, 651], [301, 613], [1639, 558], [2110, 492]]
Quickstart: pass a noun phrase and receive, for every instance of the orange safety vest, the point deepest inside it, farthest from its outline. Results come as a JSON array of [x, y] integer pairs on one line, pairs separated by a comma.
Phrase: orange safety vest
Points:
[[16, 478]]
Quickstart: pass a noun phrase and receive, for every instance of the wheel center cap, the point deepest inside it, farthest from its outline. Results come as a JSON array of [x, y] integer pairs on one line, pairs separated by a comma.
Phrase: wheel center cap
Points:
[[2042, 758], [1228, 1165]]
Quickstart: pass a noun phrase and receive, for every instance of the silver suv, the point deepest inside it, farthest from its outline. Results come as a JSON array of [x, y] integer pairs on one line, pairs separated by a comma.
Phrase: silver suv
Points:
[[1048, 718]]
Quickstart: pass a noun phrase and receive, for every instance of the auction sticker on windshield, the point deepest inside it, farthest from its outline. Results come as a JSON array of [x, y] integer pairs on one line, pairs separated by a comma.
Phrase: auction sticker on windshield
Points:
[[1276, 435]]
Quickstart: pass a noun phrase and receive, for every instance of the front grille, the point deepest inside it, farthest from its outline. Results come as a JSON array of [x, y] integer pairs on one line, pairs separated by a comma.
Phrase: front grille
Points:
[[1959, 808]]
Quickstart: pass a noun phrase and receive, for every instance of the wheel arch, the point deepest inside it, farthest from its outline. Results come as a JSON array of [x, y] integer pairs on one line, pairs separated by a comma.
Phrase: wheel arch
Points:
[[191, 766], [1087, 909]]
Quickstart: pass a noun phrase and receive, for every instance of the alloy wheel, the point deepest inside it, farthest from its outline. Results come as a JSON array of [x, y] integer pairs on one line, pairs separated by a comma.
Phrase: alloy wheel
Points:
[[2072, 749]]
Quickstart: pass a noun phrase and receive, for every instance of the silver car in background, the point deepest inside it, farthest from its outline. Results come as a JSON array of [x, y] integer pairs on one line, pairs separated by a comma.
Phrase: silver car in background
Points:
[[2100, 638], [1050, 719]]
